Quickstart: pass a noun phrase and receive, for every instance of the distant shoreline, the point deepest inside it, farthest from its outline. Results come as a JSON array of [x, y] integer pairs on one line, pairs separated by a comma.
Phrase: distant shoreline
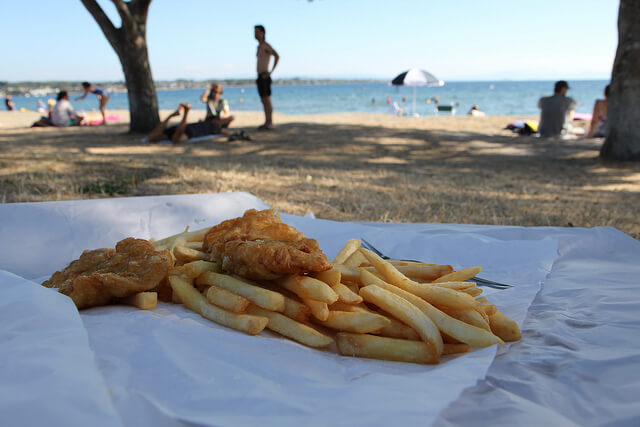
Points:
[[43, 88], [50, 87]]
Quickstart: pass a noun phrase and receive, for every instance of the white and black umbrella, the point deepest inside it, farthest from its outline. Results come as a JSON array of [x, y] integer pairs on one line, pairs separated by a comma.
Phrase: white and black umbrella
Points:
[[416, 77]]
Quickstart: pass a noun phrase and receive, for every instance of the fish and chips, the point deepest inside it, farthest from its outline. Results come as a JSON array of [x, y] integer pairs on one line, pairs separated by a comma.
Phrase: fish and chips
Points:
[[254, 272]]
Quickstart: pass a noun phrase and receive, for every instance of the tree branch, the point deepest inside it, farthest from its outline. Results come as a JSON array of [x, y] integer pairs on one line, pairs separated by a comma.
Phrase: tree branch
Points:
[[128, 21], [103, 21], [140, 8]]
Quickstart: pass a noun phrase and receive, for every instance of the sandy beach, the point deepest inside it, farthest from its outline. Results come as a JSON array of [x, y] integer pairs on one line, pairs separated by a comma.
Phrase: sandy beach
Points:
[[356, 167]]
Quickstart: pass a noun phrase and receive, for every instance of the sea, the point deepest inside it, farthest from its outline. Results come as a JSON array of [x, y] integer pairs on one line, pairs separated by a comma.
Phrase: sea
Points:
[[497, 98]]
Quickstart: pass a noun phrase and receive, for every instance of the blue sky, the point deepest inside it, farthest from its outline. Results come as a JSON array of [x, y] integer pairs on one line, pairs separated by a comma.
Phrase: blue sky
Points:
[[200, 39]]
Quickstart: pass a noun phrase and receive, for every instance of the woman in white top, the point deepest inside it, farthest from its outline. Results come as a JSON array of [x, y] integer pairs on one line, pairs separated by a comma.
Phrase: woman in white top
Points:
[[217, 107], [63, 114]]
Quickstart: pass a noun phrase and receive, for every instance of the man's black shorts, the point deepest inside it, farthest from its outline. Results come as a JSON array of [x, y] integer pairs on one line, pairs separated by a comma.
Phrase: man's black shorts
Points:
[[264, 85], [194, 130]]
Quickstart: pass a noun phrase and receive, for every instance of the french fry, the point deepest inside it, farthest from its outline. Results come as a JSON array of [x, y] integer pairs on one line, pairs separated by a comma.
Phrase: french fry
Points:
[[194, 245], [424, 272], [460, 275], [291, 329], [341, 306], [308, 287], [433, 294], [142, 300], [484, 315], [353, 287], [472, 317], [196, 268], [350, 247], [348, 273], [488, 309], [346, 295], [261, 297], [187, 236], [485, 306], [374, 347], [455, 328], [196, 302], [293, 307], [458, 286], [296, 310], [397, 329], [227, 300], [455, 348], [474, 292], [406, 312], [355, 260], [360, 322], [423, 310], [504, 327], [186, 254], [330, 277], [319, 309]]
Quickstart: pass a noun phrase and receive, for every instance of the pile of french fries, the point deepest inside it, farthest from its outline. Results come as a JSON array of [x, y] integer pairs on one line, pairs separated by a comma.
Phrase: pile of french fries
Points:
[[370, 307]]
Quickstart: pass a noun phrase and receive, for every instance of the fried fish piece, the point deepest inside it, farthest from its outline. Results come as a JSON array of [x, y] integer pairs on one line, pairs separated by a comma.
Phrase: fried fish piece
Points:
[[100, 275], [259, 246]]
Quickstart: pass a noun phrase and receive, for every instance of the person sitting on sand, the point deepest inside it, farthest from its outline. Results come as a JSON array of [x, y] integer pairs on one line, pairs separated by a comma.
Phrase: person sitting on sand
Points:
[[598, 126], [183, 131], [475, 111], [217, 107], [556, 111], [102, 96], [63, 114], [9, 103]]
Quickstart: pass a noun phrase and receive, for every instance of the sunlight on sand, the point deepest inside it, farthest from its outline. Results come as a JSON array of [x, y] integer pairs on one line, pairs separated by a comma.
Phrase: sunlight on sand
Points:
[[484, 147], [146, 149], [388, 160]]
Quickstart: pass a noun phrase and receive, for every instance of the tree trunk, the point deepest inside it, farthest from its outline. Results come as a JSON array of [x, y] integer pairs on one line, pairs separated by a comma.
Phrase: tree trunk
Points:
[[130, 44], [143, 102], [623, 115]]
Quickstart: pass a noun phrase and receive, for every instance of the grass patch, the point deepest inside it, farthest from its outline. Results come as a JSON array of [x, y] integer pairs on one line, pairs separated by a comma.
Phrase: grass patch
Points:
[[113, 186]]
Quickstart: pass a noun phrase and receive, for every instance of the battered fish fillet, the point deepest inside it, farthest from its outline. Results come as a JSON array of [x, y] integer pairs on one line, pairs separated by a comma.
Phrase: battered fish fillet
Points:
[[259, 246], [100, 275]]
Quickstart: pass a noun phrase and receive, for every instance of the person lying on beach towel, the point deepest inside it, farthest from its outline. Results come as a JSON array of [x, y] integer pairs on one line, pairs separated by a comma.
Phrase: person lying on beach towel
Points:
[[183, 131]]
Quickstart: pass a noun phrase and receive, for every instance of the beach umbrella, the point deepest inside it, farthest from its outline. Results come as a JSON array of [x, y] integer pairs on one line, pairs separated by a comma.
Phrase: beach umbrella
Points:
[[416, 77]]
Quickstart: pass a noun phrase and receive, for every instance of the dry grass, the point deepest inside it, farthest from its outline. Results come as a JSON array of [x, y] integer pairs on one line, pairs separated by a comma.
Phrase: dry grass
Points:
[[356, 167]]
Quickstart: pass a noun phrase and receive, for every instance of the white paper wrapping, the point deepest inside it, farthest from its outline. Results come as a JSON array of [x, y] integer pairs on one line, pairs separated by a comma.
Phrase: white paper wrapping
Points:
[[169, 366], [48, 374]]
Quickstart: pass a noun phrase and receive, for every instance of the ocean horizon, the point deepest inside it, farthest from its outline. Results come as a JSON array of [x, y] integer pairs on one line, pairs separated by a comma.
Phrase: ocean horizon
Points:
[[499, 98]]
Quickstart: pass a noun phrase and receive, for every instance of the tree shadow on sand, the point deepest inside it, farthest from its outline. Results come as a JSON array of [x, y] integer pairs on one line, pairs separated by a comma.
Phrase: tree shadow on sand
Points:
[[411, 174]]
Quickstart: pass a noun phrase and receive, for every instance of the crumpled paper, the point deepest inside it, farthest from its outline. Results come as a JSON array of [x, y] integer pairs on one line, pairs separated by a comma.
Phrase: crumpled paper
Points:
[[169, 366]]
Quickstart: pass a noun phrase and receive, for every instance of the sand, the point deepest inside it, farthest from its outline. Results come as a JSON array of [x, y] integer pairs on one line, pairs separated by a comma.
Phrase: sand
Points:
[[356, 167]]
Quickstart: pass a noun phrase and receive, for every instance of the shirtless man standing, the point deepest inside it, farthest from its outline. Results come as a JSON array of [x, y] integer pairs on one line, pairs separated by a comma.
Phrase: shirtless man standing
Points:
[[265, 52]]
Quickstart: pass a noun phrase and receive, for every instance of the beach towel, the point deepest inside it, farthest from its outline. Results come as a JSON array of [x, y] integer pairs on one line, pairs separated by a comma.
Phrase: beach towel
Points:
[[99, 121], [522, 127], [582, 116]]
